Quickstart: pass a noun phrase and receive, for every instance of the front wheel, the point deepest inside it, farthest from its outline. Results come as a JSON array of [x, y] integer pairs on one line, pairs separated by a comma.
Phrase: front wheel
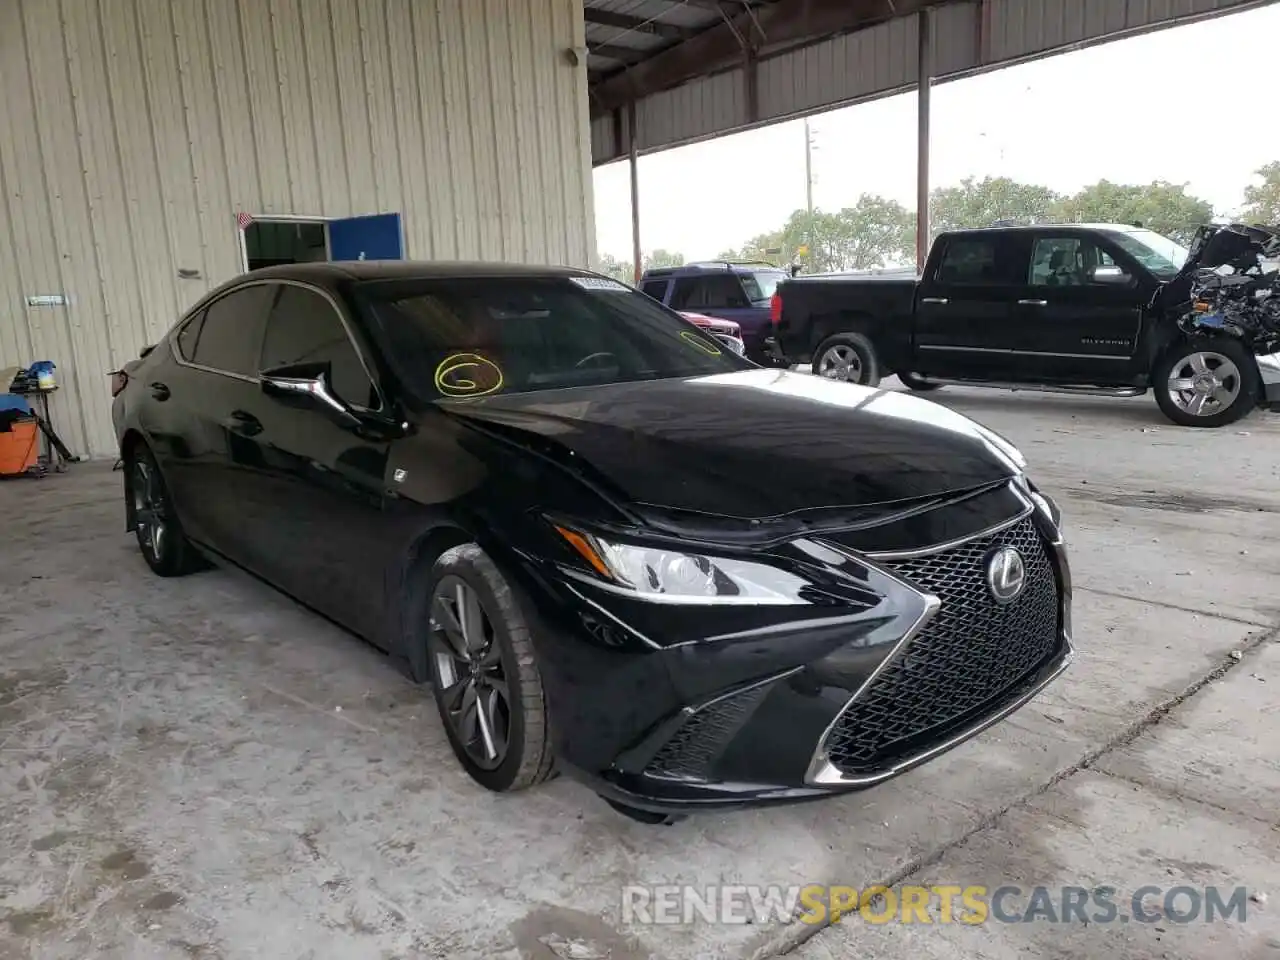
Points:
[[913, 381], [849, 357], [484, 673], [1208, 383]]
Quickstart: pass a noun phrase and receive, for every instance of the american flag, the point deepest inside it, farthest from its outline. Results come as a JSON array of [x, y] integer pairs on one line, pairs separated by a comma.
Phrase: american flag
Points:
[[243, 219]]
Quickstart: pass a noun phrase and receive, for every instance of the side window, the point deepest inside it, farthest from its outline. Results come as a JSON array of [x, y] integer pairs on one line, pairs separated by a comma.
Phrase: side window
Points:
[[231, 335], [687, 293], [710, 292], [188, 337], [969, 261], [1065, 262], [655, 288], [305, 328]]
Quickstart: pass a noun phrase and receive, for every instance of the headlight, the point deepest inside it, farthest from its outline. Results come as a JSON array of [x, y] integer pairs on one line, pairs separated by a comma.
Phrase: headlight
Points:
[[670, 576]]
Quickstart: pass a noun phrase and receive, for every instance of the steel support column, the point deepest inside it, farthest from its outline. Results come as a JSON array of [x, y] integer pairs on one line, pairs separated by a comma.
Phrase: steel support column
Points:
[[924, 90], [637, 258]]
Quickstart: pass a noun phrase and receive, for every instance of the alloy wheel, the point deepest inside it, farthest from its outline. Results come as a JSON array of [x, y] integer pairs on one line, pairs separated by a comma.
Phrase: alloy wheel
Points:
[[467, 662], [150, 515], [840, 362], [1204, 383]]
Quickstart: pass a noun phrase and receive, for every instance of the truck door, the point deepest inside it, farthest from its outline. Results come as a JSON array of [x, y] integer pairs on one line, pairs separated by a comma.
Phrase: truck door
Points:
[[1080, 312], [964, 321]]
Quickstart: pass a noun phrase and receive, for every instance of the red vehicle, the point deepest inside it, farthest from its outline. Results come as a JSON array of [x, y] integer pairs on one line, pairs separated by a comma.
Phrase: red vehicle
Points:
[[727, 332]]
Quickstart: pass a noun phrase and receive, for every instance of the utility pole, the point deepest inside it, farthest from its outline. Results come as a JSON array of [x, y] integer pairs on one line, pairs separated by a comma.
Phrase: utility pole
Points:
[[808, 167]]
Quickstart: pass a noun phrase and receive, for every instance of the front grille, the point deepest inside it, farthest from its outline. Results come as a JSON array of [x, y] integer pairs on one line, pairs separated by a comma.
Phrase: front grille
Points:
[[966, 660], [691, 751]]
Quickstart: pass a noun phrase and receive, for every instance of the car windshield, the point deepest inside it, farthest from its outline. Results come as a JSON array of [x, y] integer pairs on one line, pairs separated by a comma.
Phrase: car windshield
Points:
[[1157, 253], [477, 336], [761, 284]]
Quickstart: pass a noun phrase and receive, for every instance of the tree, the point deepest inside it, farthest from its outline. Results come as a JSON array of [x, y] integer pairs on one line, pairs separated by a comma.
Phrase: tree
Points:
[[1161, 206], [872, 233], [980, 203], [662, 258], [1262, 201], [620, 270]]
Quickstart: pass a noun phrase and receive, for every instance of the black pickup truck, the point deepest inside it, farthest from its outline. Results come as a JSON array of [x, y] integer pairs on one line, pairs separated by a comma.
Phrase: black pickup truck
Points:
[[1076, 309]]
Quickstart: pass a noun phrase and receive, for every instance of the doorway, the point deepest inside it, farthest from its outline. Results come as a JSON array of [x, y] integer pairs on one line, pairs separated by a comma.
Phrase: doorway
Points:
[[274, 241]]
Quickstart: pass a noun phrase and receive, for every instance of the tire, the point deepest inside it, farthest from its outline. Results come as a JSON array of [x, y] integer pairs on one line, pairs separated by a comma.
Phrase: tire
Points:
[[484, 675], [917, 383], [160, 537], [849, 357], [1219, 380]]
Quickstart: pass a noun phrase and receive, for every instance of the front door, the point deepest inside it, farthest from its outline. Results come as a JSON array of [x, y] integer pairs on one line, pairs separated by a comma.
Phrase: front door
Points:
[[324, 483], [965, 325], [377, 237], [1074, 326]]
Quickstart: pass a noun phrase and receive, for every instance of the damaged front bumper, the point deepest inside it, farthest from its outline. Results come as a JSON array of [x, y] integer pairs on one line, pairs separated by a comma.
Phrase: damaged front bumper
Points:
[[1269, 369]]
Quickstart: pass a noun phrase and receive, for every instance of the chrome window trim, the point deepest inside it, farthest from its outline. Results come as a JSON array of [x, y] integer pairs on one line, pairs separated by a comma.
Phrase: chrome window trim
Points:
[[1027, 353], [204, 305]]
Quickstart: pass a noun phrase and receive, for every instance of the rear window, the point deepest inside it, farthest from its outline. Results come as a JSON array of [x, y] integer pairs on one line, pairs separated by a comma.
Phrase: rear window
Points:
[[478, 336]]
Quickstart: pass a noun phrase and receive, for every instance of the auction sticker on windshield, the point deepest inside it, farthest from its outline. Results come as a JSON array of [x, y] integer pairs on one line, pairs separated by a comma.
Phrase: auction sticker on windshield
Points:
[[600, 283]]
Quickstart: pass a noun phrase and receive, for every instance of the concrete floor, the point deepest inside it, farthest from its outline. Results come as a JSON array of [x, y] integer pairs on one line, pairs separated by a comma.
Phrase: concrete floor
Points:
[[200, 769]]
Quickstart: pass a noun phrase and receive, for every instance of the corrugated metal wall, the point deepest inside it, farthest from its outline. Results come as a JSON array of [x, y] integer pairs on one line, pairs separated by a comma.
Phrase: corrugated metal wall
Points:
[[882, 60], [132, 131]]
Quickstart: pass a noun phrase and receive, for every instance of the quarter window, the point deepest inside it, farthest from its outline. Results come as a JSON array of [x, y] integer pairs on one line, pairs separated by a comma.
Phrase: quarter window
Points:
[[304, 328], [655, 288], [188, 336], [230, 337]]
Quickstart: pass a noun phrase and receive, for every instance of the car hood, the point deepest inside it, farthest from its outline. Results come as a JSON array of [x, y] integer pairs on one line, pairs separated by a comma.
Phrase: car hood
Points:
[[753, 444]]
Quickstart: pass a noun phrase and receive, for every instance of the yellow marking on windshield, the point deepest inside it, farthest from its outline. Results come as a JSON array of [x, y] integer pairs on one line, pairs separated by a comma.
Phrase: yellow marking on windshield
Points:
[[701, 344], [461, 375]]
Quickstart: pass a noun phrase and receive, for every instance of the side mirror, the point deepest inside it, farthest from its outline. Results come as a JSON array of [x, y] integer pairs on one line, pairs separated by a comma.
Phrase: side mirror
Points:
[[308, 383], [1111, 276]]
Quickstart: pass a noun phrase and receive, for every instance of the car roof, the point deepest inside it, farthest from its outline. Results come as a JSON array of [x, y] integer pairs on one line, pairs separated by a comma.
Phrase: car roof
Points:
[[343, 270], [1107, 227], [711, 266]]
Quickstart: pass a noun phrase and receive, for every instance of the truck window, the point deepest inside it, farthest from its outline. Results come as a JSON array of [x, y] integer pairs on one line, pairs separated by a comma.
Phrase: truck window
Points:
[[655, 288], [981, 260], [1065, 262], [710, 292]]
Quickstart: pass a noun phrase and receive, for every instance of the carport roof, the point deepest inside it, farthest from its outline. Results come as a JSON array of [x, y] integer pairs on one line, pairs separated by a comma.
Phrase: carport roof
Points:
[[640, 47]]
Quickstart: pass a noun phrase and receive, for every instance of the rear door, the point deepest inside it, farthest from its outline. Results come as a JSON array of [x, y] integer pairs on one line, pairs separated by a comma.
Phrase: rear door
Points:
[[965, 323], [1072, 327], [197, 425]]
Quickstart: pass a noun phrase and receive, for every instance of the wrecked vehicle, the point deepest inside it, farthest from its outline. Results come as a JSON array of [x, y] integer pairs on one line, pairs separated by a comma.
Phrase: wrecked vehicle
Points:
[[1226, 299], [1063, 308]]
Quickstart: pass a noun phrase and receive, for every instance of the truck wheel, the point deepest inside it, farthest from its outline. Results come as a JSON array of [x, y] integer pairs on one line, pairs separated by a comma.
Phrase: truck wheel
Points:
[[913, 381], [1206, 383], [849, 357]]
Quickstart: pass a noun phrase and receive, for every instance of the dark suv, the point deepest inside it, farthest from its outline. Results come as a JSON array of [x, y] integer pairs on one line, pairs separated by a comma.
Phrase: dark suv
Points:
[[732, 289]]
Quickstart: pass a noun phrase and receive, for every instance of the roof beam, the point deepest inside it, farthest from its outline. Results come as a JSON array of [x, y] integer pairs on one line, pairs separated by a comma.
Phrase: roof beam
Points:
[[787, 22], [628, 55], [625, 21]]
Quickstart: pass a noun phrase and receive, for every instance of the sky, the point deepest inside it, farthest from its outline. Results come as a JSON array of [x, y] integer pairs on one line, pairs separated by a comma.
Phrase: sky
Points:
[[1132, 111]]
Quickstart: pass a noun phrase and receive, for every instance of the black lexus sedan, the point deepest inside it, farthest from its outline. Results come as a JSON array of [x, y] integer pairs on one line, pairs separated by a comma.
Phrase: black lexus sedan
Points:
[[612, 547]]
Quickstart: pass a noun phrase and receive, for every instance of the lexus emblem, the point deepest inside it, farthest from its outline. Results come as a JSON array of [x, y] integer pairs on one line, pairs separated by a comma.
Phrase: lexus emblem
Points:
[[1006, 575]]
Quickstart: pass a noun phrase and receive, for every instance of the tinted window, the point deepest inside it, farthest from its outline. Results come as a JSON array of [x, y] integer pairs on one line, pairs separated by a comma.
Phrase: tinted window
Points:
[[1065, 262], [979, 261], [305, 328], [716, 290], [188, 336], [232, 331], [655, 288], [470, 337]]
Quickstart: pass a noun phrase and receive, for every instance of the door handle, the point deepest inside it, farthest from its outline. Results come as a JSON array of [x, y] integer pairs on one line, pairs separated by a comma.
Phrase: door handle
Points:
[[160, 391], [243, 422], [1033, 303], [939, 300]]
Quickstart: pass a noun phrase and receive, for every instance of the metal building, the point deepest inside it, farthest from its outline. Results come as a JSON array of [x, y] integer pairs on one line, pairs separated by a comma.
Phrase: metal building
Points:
[[134, 134]]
